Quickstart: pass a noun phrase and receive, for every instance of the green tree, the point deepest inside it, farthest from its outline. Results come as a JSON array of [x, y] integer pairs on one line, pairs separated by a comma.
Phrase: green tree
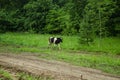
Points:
[[35, 17], [76, 14], [86, 31], [113, 23], [99, 13], [57, 21], [11, 14], [60, 16]]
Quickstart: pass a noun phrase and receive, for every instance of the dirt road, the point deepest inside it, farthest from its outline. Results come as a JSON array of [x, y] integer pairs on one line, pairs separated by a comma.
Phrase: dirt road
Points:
[[58, 70]]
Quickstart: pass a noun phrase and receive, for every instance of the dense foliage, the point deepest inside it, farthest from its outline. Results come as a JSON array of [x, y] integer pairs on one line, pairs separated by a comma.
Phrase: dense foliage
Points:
[[87, 18]]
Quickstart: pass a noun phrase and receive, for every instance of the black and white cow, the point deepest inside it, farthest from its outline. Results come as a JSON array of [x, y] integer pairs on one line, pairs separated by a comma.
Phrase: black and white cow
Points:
[[55, 41]]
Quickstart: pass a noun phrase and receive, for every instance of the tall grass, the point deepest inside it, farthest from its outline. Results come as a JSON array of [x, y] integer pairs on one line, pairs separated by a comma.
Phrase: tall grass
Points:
[[108, 45], [24, 39]]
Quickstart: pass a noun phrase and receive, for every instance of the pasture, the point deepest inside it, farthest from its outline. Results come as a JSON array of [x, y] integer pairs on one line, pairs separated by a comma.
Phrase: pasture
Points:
[[103, 54]]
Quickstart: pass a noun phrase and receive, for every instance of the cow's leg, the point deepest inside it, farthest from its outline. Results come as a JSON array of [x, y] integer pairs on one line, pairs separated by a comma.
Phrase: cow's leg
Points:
[[59, 46], [49, 44], [55, 44]]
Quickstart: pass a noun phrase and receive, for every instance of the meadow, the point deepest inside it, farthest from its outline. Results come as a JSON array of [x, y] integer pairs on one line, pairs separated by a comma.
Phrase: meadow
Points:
[[103, 54]]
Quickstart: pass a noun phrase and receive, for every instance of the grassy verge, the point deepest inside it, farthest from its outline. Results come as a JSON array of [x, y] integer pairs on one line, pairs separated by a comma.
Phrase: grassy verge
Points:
[[109, 61], [24, 76], [6, 75]]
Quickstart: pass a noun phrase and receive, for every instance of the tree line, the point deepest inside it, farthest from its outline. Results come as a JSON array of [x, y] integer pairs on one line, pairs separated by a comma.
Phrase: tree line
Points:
[[68, 17]]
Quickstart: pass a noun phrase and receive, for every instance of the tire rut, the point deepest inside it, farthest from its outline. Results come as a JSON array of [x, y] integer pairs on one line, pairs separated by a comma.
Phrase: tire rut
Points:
[[57, 70]]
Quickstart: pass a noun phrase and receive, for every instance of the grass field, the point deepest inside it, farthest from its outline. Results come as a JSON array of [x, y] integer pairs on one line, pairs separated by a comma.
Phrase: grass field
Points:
[[108, 45], [103, 54]]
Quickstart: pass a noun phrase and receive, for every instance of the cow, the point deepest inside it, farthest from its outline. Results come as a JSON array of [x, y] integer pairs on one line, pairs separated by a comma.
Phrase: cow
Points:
[[55, 41]]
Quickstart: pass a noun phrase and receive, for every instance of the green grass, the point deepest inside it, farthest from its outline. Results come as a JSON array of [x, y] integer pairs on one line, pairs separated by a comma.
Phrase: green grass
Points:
[[24, 76], [103, 54], [6, 75], [34, 40], [108, 45]]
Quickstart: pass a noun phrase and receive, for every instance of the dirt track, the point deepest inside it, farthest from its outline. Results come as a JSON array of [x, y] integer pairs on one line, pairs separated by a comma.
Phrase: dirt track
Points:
[[58, 70]]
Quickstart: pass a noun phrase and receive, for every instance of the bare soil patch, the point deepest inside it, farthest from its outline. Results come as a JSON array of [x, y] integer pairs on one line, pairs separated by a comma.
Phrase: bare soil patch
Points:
[[57, 70]]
